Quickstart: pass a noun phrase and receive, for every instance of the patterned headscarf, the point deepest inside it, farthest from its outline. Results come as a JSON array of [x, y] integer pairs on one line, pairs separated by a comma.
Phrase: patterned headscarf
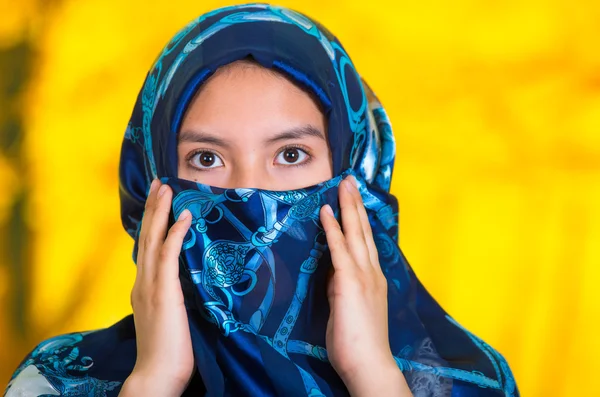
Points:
[[254, 263]]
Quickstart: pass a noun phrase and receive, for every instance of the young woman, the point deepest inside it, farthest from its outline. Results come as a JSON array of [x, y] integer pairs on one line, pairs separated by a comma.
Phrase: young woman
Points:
[[254, 180]]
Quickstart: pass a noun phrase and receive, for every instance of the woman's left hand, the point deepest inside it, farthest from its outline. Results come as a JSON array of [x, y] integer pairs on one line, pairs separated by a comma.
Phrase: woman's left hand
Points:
[[357, 332]]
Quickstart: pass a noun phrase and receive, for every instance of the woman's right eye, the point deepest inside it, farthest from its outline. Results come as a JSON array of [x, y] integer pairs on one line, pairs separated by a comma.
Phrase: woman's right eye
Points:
[[206, 160]]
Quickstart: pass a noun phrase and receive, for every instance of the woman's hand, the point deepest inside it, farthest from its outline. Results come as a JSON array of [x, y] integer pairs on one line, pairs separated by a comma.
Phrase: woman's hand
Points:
[[165, 361], [357, 332]]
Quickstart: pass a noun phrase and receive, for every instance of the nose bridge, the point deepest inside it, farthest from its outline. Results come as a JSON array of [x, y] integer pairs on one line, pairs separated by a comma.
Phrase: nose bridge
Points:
[[245, 176], [249, 171]]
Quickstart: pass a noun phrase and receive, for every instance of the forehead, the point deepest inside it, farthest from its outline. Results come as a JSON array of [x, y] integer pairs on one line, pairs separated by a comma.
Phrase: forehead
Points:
[[250, 75], [250, 98]]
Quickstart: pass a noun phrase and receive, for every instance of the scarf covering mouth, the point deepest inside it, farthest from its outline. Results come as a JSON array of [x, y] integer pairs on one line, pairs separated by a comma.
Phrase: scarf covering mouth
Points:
[[254, 264]]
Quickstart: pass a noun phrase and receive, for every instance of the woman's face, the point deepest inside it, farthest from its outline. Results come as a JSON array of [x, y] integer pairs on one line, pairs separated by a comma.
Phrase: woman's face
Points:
[[250, 127]]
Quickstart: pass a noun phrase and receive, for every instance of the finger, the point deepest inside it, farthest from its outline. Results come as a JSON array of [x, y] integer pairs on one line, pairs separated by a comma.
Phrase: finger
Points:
[[157, 229], [168, 269], [366, 227], [331, 288], [351, 224], [340, 257], [146, 217]]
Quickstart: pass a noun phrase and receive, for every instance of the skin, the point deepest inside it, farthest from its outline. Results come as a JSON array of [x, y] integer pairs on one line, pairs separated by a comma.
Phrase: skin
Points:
[[226, 141]]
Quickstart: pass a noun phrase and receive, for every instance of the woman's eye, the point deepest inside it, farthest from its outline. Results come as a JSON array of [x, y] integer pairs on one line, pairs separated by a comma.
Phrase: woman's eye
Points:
[[291, 156], [205, 160]]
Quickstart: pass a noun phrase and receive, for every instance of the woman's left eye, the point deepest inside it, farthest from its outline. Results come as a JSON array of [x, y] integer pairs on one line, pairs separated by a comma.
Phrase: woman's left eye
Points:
[[292, 156]]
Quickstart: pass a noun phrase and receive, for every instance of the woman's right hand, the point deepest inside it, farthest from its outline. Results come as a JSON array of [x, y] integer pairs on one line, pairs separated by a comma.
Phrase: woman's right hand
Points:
[[165, 360]]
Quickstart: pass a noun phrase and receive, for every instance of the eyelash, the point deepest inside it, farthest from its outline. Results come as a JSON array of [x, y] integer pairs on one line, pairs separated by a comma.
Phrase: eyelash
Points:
[[309, 156], [196, 152]]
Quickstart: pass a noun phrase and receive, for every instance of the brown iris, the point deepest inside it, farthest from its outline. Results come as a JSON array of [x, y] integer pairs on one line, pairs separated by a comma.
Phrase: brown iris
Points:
[[291, 155], [207, 159]]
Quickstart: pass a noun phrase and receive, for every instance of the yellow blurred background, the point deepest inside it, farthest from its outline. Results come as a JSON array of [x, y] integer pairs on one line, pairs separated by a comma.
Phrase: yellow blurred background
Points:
[[496, 110]]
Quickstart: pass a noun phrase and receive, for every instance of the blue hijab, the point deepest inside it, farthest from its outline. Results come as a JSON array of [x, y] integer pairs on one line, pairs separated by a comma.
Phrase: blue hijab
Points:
[[254, 264]]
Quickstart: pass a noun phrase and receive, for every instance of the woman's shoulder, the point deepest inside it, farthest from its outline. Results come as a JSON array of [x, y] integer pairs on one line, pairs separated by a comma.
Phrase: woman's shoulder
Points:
[[97, 361]]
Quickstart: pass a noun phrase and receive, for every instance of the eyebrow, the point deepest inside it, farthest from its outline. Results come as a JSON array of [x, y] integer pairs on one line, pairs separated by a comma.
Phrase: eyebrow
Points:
[[292, 133], [197, 136]]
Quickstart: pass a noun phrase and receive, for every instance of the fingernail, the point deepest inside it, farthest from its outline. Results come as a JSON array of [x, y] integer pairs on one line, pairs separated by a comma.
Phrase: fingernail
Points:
[[353, 180], [153, 185], [349, 186], [162, 190], [183, 216], [328, 209]]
